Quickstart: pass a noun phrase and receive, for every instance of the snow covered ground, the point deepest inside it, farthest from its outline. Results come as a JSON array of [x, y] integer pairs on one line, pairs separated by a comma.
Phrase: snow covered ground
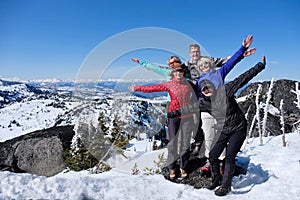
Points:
[[273, 173], [25, 117]]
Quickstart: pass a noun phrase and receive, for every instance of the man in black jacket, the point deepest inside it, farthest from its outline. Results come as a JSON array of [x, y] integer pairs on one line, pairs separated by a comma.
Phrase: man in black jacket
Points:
[[231, 122]]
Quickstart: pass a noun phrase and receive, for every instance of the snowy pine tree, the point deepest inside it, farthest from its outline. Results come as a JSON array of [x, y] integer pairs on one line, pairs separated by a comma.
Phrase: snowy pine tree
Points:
[[117, 135], [266, 109], [296, 125], [102, 123], [145, 117], [117, 142], [251, 127], [258, 112], [282, 123], [90, 145], [297, 92]]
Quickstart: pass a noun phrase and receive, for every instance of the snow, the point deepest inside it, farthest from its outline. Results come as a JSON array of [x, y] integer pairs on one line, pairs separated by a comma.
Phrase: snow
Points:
[[273, 173], [242, 99], [14, 88], [24, 117]]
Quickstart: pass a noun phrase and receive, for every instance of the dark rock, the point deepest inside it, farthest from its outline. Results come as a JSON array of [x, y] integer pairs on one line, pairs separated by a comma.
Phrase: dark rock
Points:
[[197, 178], [40, 152], [282, 89]]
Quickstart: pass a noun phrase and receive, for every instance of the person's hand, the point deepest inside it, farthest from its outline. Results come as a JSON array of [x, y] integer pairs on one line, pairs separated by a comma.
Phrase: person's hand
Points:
[[249, 52], [135, 60], [131, 88], [248, 41], [263, 60]]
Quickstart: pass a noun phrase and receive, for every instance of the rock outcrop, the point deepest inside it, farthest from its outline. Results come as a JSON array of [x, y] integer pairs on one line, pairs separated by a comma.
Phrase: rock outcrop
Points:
[[282, 89], [40, 152], [196, 178]]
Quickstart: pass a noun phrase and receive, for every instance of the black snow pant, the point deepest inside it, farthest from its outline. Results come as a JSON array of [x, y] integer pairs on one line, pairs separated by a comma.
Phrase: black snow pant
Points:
[[185, 125], [233, 142]]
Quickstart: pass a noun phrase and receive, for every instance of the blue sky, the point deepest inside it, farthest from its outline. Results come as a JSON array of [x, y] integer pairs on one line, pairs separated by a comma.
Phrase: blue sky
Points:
[[54, 38]]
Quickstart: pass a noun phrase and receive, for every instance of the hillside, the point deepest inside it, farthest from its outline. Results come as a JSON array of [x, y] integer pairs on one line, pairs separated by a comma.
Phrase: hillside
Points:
[[267, 177]]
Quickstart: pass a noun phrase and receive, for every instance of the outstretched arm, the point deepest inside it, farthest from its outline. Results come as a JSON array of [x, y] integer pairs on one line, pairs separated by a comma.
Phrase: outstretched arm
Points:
[[162, 70], [246, 42], [148, 89], [220, 61], [233, 86], [237, 57], [131, 88]]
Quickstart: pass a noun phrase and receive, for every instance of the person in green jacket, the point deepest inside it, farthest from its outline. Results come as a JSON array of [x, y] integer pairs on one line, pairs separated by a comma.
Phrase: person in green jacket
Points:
[[187, 67]]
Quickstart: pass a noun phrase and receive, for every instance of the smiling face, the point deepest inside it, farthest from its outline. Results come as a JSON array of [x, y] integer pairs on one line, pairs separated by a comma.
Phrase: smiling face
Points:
[[204, 64], [178, 74], [207, 91], [207, 88], [195, 53]]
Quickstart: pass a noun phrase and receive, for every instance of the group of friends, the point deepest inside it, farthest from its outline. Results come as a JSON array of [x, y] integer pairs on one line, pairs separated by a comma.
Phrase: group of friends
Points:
[[201, 108]]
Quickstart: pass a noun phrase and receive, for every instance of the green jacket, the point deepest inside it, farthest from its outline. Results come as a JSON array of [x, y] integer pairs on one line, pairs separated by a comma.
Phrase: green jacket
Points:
[[162, 70]]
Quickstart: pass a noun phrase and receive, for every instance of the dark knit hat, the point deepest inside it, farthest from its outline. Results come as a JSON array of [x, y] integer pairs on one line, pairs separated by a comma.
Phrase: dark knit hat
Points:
[[206, 84]]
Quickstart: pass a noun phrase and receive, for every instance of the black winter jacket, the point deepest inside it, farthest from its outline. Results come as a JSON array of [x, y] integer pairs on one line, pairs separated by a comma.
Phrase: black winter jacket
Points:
[[223, 106]]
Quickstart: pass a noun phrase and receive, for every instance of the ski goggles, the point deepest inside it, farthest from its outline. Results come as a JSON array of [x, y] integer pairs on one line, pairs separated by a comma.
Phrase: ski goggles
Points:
[[174, 62]]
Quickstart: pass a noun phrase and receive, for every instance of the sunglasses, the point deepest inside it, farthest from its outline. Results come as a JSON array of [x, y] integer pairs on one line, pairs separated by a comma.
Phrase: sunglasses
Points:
[[203, 63], [179, 70]]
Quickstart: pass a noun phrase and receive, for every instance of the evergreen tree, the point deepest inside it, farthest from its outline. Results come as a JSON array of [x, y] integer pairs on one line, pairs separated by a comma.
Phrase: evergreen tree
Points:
[[80, 158], [101, 125], [135, 170], [92, 145], [117, 141], [117, 136]]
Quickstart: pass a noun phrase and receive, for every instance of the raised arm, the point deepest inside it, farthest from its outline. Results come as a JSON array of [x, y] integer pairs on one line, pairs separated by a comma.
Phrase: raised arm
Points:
[[237, 56], [246, 43], [233, 86], [220, 61]]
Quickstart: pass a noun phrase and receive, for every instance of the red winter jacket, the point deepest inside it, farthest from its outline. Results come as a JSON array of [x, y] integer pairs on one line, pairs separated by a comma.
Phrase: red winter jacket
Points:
[[181, 92]]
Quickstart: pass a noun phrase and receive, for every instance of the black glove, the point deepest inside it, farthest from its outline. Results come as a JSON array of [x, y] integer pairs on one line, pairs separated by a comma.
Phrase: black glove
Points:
[[174, 114]]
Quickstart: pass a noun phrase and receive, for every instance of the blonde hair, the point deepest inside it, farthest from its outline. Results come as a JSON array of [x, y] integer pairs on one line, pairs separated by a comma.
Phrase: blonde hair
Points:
[[194, 46], [205, 59]]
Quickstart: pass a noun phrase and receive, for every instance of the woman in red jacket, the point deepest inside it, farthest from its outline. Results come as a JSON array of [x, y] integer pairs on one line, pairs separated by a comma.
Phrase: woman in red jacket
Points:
[[181, 94]]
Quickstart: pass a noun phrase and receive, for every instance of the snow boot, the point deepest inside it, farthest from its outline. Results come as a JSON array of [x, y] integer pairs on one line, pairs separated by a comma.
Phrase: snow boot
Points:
[[216, 181], [222, 191], [172, 174], [184, 174]]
